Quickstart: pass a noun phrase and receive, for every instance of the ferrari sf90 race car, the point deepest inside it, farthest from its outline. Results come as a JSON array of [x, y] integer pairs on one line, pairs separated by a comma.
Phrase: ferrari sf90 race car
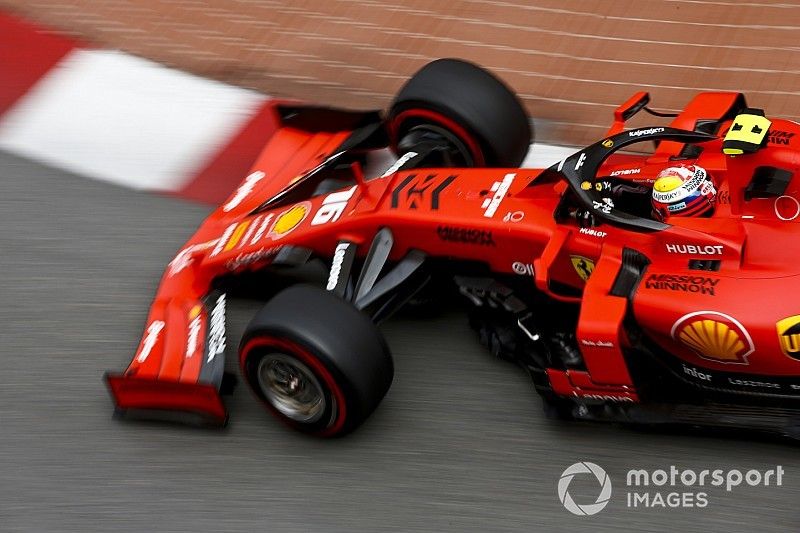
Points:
[[617, 314]]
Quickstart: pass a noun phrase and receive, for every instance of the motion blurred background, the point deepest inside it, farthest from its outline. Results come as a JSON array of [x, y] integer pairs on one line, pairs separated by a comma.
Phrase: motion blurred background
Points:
[[572, 61], [460, 442]]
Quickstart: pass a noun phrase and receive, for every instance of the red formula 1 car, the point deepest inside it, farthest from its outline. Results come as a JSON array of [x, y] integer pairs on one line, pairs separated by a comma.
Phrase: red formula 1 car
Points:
[[615, 314]]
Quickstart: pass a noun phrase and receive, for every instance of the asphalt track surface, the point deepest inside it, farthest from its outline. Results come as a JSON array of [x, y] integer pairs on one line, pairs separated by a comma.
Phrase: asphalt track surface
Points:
[[459, 443]]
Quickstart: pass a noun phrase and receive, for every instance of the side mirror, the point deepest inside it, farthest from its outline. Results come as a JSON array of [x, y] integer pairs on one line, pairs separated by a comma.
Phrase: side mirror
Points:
[[633, 105]]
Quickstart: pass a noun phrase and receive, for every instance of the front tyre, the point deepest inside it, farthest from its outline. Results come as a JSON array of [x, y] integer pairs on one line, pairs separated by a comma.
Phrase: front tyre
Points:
[[317, 363], [459, 105]]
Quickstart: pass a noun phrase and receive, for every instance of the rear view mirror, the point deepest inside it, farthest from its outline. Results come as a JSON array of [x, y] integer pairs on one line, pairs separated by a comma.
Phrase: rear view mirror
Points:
[[633, 105]]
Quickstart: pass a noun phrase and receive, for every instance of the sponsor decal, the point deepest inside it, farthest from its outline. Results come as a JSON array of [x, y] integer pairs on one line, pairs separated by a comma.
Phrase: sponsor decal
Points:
[[665, 197], [779, 137], [465, 235], [181, 261], [261, 228], [697, 374], [580, 162], [586, 185], [672, 187], [223, 239], [608, 397], [150, 339], [216, 330], [789, 336], [753, 383], [647, 131], [416, 190], [583, 266], [523, 269], [399, 163], [714, 336], [593, 232], [250, 230], [608, 143], [185, 257], [236, 236], [692, 284], [605, 205], [244, 189], [194, 332], [597, 344], [333, 206], [336, 265], [515, 216], [626, 172], [249, 258], [500, 189], [695, 249], [738, 380], [289, 220]]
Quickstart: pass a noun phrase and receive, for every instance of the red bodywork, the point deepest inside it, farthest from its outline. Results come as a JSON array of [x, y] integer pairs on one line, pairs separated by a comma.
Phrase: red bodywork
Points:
[[505, 219]]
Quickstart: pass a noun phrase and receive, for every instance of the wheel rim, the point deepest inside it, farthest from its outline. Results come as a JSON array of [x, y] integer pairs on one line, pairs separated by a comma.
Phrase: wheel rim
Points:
[[452, 152], [291, 388], [460, 143]]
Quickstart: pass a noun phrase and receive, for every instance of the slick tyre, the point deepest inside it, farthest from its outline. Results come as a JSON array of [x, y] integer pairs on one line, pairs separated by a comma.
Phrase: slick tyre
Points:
[[317, 363], [483, 120]]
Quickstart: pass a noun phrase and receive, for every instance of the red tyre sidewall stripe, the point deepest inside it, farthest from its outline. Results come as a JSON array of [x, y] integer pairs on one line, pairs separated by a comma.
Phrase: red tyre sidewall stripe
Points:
[[316, 366], [453, 126]]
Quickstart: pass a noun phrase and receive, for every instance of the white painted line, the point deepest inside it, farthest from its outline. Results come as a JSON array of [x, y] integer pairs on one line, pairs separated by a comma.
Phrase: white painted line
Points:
[[119, 118]]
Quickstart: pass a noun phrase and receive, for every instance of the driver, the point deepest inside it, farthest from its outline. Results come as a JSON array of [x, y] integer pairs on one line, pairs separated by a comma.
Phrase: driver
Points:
[[685, 191]]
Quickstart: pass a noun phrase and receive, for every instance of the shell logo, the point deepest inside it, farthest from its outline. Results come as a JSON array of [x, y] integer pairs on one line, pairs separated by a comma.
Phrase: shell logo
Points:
[[289, 220], [714, 336]]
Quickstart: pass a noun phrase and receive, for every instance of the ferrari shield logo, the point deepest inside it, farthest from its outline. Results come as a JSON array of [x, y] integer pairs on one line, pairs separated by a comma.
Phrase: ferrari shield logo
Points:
[[583, 266], [714, 336], [789, 336]]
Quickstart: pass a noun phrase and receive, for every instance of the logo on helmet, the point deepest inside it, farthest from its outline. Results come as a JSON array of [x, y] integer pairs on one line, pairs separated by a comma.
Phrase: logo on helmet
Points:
[[683, 191]]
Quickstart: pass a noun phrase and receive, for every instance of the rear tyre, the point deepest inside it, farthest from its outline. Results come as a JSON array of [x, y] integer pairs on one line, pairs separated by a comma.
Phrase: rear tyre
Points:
[[480, 118], [318, 364]]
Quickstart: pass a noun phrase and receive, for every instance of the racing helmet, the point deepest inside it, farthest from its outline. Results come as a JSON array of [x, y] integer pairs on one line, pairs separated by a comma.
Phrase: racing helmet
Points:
[[684, 190]]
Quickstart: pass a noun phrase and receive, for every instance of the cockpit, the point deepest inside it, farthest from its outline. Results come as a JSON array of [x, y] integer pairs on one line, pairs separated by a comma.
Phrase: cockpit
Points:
[[751, 159]]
